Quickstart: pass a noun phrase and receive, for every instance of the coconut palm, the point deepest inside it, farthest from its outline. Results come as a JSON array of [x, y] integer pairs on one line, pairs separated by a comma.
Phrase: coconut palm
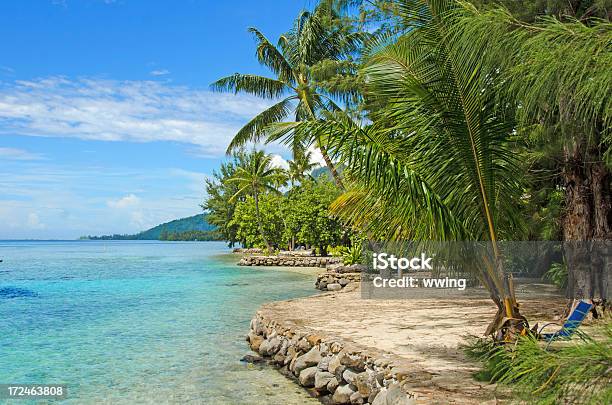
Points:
[[253, 177], [301, 166], [297, 62], [436, 161]]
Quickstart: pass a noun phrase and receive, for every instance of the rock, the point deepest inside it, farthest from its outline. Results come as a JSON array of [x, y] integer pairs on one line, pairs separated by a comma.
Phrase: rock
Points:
[[249, 358], [324, 363], [365, 383], [312, 358], [334, 287], [333, 364], [373, 394], [291, 354], [339, 373], [307, 377], [255, 342], [343, 282], [313, 340], [259, 328], [322, 378], [353, 361], [349, 376], [303, 345], [279, 358], [332, 385], [396, 396], [356, 398], [381, 398], [342, 395], [270, 346]]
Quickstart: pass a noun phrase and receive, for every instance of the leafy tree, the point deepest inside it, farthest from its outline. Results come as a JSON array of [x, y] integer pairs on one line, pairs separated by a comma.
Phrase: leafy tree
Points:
[[307, 217], [263, 229], [310, 42], [254, 177], [300, 167]]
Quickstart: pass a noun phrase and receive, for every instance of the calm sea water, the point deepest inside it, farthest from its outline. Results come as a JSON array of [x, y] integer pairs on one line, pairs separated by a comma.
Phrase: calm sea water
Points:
[[138, 322]]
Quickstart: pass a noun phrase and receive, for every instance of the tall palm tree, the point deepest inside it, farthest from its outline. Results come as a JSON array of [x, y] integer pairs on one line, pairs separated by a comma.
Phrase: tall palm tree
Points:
[[301, 166], [436, 162], [254, 177], [296, 62]]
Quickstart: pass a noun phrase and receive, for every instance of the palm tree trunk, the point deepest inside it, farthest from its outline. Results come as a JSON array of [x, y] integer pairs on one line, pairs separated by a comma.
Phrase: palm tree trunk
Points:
[[331, 167], [259, 224]]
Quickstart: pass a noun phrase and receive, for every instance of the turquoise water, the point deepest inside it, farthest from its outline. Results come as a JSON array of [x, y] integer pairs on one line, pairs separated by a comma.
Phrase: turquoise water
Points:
[[138, 322]]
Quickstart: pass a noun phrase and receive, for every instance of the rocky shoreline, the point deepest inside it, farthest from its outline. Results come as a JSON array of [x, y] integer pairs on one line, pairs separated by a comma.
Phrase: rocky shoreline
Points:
[[288, 261], [335, 371]]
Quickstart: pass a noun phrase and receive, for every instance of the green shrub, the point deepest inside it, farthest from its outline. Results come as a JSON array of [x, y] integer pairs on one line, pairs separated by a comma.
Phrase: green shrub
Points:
[[578, 373]]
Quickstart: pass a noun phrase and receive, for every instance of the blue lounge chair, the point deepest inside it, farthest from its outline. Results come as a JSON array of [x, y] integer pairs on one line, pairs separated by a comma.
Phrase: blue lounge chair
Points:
[[574, 320]]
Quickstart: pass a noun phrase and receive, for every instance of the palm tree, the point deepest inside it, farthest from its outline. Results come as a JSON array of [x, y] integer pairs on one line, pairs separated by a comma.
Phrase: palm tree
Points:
[[296, 61], [301, 166], [436, 161], [255, 176]]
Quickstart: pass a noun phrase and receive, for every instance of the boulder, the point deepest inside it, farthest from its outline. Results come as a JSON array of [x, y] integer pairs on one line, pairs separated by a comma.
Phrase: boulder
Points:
[[249, 358], [324, 363], [342, 395], [279, 358], [255, 342], [334, 287], [333, 364], [312, 358], [332, 385], [396, 396], [354, 361], [307, 377], [303, 345], [343, 282], [381, 398], [356, 399], [349, 375], [270, 346], [365, 383], [322, 378]]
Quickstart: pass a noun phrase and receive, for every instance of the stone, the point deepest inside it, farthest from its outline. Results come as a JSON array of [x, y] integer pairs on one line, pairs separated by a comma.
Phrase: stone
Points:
[[356, 398], [255, 342], [307, 377], [343, 282], [339, 373], [279, 358], [324, 363], [260, 328], [303, 345], [373, 394], [313, 339], [312, 358], [270, 346], [333, 364], [322, 378], [334, 287], [249, 358], [365, 383], [349, 376], [332, 385], [381, 398], [354, 361], [342, 395], [291, 354], [396, 396]]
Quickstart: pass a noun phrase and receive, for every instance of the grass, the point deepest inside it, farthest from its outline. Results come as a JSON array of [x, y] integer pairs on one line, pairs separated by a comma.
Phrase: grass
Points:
[[577, 372]]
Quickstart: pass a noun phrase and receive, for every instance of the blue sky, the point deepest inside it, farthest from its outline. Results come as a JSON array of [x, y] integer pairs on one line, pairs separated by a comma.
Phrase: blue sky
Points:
[[106, 121]]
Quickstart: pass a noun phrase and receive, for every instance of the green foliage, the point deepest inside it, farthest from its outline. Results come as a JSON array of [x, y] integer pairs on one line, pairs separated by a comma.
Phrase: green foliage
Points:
[[530, 10], [191, 236], [307, 216], [195, 223], [557, 274], [247, 224], [578, 373], [352, 255]]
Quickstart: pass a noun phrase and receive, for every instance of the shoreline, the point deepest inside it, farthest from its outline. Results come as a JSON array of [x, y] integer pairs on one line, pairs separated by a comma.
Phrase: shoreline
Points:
[[345, 349]]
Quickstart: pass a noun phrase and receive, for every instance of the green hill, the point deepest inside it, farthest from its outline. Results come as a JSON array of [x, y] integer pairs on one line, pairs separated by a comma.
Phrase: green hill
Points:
[[194, 223], [191, 228]]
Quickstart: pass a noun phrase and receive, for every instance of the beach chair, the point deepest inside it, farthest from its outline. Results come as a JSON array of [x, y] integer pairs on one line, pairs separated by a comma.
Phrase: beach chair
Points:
[[574, 320]]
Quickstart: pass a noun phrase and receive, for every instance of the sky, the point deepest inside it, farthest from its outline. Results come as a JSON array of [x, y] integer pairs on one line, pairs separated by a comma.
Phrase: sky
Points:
[[107, 124]]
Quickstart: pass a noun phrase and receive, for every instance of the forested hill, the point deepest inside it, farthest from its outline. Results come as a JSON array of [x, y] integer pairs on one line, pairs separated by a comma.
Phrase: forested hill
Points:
[[191, 228], [194, 223]]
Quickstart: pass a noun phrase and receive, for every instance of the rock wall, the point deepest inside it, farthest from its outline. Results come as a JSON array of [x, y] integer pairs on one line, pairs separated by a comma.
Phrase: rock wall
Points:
[[288, 261], [336, 281], [335, 371]]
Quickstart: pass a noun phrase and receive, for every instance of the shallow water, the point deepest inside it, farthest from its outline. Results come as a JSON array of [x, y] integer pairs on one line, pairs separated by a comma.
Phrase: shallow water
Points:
[[138, 322]]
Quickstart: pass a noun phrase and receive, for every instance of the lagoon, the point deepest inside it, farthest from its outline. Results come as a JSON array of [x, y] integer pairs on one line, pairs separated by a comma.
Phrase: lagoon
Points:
[[138, 321]]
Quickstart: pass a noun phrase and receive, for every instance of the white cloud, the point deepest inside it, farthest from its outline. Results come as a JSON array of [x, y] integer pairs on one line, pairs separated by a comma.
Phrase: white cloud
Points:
[[137, 111], [124, 202], [18, 154], [278, 161], [316, 156], [159, 72]]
